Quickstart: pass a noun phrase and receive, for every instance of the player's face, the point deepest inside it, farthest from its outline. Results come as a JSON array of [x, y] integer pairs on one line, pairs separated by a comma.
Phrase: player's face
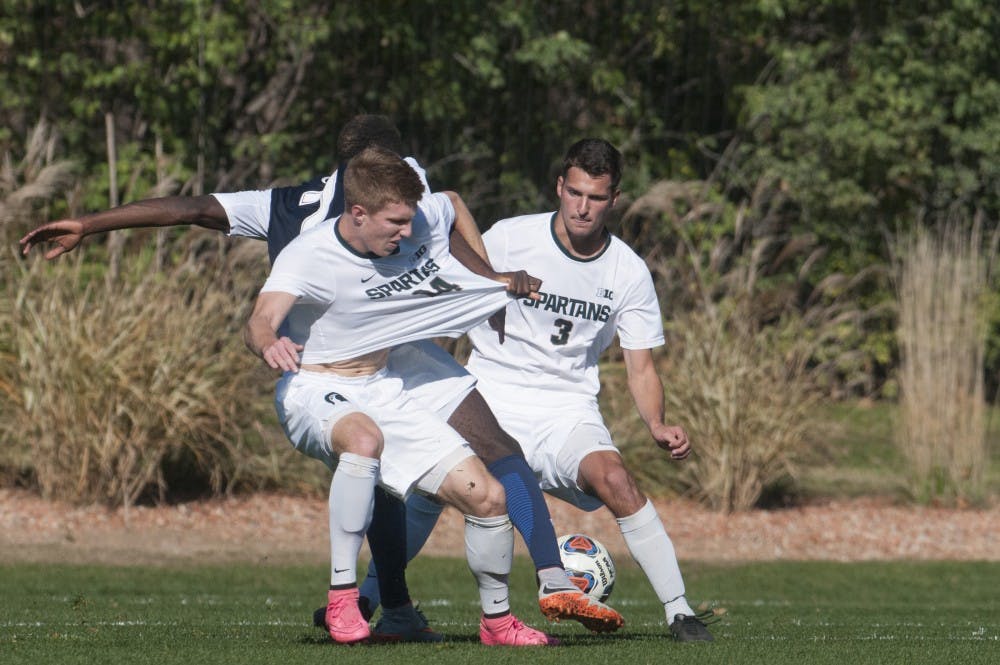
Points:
[[584, 202], [383, 230]]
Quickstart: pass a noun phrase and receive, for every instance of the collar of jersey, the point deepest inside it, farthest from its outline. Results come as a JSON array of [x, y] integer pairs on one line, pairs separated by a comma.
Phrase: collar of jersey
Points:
[[371, 256], [567, 253]]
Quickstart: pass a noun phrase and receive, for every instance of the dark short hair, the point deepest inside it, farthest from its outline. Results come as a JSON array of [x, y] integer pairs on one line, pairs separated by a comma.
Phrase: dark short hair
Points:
[[367, 130], [595, 157], [377, 177]]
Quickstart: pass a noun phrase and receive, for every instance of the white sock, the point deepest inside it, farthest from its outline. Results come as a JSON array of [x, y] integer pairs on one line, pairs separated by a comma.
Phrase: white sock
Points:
[[653, 550], [421, 516], [352, 492], [554, 579], [489, 548]]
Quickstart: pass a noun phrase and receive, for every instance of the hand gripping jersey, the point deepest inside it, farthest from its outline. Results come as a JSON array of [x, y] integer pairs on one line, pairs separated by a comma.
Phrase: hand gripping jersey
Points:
[[349, 304], [552, 345]]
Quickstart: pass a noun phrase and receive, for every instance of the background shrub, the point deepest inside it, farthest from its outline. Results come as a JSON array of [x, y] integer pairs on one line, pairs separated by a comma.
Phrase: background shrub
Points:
[[943, 284]]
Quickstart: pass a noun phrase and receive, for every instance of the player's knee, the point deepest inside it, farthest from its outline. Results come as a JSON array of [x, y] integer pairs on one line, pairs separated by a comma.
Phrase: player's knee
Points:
[[488, 500], [360, 436], [614, 480], [479, 495]]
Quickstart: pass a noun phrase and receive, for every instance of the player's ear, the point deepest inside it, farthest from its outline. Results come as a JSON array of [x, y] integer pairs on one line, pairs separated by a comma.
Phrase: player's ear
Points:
[[614, 197], [559, 186], [358, 211]]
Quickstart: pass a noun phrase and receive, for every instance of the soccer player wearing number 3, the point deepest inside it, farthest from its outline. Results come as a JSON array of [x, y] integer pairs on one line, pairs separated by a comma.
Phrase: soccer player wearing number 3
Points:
[[542, 381]]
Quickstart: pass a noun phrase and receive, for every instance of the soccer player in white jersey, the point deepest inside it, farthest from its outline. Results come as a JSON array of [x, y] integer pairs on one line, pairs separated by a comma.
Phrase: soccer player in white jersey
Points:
[[342, 294], [542, 382]]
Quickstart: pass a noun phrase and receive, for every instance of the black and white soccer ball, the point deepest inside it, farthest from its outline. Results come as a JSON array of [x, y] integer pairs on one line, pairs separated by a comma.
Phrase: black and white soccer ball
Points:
[[589, 564]]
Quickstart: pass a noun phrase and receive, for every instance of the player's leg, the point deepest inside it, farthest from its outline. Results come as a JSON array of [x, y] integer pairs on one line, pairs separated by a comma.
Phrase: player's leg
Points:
[[323, 423], [602, 474], [489, 546], [559, 598], [433, 378], [420, 514], [357, 442], [388, 554]]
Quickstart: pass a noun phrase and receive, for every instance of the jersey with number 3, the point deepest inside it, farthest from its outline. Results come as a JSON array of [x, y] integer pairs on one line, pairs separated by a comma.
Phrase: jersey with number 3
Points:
[[552, 345]]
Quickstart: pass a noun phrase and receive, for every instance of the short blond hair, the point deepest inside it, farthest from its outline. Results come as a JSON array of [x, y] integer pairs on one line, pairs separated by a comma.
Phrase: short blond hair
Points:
[[377, 177]]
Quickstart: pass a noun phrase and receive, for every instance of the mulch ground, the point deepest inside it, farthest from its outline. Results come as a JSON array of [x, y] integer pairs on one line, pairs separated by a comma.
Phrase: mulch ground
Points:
[[284, 529]]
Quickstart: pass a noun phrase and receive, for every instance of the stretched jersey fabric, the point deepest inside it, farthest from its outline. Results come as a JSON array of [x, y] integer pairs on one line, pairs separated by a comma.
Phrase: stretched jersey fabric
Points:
[[278, 215], [552, 345], [349, 304]]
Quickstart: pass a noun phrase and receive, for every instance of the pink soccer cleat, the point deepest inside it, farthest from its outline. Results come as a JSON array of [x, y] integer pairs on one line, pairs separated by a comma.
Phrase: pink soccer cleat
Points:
[[509, 631], [343, 618]]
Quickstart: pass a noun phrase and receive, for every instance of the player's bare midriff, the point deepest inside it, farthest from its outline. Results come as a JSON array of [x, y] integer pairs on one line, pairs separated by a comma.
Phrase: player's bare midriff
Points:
[[363, 365]]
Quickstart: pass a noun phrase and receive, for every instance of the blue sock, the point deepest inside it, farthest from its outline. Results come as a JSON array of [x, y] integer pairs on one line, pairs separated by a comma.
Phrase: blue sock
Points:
[[527, 509]]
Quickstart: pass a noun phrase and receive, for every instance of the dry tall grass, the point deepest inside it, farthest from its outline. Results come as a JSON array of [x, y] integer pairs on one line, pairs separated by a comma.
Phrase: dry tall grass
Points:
[[114, 390], [942, 283], [110, 388], [751, 340]]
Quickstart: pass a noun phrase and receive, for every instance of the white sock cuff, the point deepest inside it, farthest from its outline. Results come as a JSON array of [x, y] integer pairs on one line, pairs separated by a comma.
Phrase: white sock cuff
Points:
[[498, 522], [639, 519], [357, 465]]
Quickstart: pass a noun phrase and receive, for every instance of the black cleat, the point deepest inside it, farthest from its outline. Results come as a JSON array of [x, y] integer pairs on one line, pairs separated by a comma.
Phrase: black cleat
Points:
[[687, 628]]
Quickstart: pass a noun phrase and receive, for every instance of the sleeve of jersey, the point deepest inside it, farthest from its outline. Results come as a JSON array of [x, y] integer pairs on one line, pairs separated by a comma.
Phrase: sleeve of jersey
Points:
[[495, 240], [439, 212], [291, 273], [249, 212], [640, 324]]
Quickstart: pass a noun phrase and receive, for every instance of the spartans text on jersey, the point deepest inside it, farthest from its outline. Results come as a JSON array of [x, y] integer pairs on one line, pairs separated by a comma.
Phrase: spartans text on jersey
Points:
[[580, 309], [411, 278]]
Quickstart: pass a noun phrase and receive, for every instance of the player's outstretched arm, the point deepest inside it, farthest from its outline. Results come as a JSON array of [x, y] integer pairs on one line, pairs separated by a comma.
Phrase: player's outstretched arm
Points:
[[647, 390], [260, 333], [465, 225], [66, 234], [519, 283]]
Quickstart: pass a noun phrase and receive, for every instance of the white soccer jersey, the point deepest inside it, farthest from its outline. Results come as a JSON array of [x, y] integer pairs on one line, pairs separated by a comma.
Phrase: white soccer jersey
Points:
[[552, 346], [349, 304]]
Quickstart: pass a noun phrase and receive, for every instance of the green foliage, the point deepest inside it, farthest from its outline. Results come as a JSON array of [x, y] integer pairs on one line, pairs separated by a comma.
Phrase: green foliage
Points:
[[824, 123], [873, 118]]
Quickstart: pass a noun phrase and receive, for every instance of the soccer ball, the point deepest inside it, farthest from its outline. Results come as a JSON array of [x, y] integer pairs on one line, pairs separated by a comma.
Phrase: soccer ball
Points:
[[589, 565]]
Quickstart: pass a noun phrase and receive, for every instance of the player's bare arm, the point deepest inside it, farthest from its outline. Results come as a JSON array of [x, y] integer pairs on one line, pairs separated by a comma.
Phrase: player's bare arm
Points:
[[466, 226], [66, 234], [519, 283], [260, 334], [647, 391]]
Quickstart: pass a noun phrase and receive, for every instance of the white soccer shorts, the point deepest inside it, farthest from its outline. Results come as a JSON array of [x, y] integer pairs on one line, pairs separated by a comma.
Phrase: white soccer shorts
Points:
[[554, 440], [431, 376], [420, 448]]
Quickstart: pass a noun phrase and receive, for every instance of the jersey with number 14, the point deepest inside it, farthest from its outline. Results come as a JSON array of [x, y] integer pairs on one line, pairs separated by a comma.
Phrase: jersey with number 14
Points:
[[349, 304], [552, 345]]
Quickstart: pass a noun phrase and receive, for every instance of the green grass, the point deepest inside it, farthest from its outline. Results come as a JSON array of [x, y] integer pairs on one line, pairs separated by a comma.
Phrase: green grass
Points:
[[777, 613]]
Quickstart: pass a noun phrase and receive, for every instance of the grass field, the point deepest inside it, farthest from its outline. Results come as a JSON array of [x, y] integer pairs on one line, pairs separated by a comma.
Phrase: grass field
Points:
[[776, 613]]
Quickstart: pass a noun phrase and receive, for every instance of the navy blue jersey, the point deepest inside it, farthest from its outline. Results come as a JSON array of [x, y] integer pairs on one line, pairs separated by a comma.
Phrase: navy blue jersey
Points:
[[288, 211]]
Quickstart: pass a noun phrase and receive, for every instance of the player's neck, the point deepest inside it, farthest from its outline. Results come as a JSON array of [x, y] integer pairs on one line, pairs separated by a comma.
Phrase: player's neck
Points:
[[349, 230], [582, 246]]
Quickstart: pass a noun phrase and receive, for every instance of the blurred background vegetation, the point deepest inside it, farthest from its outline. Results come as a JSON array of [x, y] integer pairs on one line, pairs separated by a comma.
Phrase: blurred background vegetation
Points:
[[782, 156]]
